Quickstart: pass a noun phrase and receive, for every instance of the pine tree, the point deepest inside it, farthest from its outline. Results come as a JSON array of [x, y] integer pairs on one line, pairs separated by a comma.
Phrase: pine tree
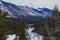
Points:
[[20, 30], [55, 16], [4, 29], [56, 20]]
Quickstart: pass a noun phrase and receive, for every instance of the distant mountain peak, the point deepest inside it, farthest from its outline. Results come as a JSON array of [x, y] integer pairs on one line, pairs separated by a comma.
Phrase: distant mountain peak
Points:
[[0, 2], [25, 11]]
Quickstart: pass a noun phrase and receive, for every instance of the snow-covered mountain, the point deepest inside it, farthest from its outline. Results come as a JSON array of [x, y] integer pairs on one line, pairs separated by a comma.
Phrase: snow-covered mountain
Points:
[[16, 11]]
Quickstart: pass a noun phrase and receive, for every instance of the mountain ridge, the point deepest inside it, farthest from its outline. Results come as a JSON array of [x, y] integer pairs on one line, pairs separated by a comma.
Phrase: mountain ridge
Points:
[[26, 12]]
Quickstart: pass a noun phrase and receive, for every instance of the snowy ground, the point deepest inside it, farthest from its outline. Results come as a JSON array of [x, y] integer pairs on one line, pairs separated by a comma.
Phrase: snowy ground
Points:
[[32, 36], [11, 37]]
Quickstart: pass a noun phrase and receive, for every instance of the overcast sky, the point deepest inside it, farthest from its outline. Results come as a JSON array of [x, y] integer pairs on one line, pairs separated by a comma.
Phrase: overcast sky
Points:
[[37, 3]]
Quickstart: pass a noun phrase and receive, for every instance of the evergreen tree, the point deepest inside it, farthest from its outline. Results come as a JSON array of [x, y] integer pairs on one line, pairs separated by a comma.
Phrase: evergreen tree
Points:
[[4, 29], [55, 16], [56, 20], [20, 30]]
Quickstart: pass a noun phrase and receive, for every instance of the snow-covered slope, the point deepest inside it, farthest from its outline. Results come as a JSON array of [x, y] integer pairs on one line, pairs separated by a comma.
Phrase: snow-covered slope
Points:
[[15, 11]]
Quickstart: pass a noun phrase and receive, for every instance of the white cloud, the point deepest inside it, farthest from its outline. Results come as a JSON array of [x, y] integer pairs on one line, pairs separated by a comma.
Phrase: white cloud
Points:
[[37, 3]]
